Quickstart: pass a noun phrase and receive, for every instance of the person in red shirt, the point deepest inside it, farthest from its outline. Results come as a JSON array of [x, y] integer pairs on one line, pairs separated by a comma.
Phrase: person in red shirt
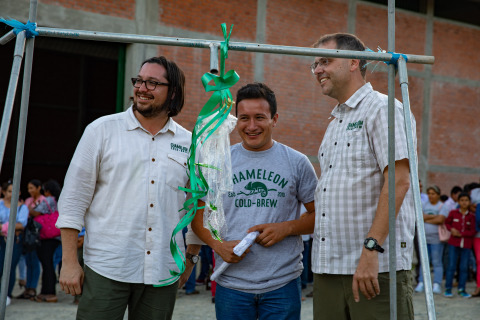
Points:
[[461, 223]]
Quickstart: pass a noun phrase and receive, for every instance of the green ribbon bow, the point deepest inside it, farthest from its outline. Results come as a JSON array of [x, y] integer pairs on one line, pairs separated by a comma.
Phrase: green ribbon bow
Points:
[[222, 98]]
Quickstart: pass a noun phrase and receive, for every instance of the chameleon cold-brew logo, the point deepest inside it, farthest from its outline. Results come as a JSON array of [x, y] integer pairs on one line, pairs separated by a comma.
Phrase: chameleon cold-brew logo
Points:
[[255, 182], [256, 187]]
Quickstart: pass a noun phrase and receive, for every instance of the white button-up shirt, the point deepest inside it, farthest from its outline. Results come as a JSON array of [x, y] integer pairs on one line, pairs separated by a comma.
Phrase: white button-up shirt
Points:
[[353, 156], [122, 185]]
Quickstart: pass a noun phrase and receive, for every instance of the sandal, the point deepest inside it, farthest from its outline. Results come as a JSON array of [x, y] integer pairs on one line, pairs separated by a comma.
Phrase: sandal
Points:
[[46, 298], [27, 294]]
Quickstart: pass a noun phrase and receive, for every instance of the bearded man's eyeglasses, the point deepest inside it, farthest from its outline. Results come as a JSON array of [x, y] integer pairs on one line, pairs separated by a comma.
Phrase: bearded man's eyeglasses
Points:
[[149, 84]]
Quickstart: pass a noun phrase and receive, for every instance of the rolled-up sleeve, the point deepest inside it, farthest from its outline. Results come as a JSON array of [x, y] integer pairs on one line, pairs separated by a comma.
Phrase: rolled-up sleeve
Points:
[[80, 181]]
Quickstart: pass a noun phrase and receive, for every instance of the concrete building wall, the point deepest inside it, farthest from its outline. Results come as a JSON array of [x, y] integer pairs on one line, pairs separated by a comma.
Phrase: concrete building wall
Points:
[[445, 97]]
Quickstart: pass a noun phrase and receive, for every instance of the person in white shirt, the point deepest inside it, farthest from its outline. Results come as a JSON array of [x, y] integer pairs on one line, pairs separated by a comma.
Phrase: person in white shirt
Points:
[[351, 198], [123, 186]]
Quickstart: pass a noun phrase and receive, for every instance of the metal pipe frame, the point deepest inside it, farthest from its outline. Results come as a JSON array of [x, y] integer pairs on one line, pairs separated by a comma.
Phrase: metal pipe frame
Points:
[[27, 72], [7, 37], [214, 58], [392, 258], [412, 155], [234, 46], [12, 89]]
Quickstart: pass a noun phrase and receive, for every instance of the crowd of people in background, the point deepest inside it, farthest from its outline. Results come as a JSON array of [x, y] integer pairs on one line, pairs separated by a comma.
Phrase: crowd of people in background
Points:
[[34, 252], [452, 230]]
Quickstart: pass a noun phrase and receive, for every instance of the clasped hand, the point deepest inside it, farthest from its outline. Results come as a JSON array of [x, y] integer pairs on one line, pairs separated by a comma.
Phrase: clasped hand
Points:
[[270, 233]]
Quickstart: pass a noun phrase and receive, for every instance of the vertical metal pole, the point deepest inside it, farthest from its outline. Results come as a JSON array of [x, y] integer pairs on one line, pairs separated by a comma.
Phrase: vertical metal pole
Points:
[[18, 162], [391, 165], [12, 89], [412, 155], [214, 58]]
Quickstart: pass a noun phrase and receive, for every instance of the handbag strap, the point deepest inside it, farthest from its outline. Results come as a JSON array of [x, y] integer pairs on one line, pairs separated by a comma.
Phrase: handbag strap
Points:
[[49, 208]]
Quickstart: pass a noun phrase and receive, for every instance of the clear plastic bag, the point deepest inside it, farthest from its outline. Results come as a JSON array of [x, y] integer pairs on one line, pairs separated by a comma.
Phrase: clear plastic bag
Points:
[[216, 167]]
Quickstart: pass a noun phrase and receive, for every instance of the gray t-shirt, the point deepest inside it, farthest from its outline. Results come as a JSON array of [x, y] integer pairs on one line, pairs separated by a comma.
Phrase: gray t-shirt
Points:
[[431, 230], [269, 187]]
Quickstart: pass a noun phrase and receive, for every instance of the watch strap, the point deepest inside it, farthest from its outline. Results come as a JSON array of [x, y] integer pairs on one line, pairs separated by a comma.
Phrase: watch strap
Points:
[[191, 257], [375, 247]]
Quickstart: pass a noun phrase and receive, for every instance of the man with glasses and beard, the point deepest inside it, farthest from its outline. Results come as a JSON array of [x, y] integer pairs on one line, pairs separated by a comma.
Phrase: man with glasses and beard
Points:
[[122, 185]]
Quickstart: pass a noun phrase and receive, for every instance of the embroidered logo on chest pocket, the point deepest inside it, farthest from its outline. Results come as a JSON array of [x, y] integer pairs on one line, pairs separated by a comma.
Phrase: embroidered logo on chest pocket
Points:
[[355, 126]]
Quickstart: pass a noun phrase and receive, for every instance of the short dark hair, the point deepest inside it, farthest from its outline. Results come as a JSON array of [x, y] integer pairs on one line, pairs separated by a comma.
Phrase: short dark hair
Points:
[[455, 190], [176, 89], [6, 184], [53, 187], [37, 183], [470, 186], [345, 41], [257, 90], [464, 194]]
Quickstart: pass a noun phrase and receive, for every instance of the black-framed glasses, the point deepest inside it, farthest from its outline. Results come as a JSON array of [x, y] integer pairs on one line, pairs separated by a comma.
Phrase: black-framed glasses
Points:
[[322, 62], [149, 84]]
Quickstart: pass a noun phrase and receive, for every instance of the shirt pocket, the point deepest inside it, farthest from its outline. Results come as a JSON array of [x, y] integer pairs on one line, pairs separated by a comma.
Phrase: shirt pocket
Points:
[[176, 175], [354, 150]]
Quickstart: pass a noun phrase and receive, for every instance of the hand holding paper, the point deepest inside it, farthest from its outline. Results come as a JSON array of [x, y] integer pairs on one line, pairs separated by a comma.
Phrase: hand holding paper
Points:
[[238, 250]]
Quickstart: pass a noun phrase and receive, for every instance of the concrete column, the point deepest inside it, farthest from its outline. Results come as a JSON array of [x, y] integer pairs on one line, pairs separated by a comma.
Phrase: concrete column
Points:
[[260, 38], [352, 16], [146, 22], [423, 165]]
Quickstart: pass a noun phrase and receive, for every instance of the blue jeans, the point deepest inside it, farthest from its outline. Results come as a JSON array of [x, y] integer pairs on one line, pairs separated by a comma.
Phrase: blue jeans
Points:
[[206, 256], [57, 258], [22, 268], [33, 269], [190, 284], [306, 258], [17, 252], [281, 304], [453, 254], [435, 253]]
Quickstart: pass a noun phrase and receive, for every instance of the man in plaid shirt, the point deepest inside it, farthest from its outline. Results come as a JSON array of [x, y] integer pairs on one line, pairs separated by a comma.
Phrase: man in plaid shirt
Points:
[[350, 248]]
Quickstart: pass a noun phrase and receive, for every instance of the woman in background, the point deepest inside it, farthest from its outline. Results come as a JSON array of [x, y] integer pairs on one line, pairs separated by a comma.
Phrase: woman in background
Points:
[[47, 248], [432, 218], [21, 222]]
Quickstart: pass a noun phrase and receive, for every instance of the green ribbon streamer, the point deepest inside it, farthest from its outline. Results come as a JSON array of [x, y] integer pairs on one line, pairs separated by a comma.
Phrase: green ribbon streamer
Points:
[[220, 104]]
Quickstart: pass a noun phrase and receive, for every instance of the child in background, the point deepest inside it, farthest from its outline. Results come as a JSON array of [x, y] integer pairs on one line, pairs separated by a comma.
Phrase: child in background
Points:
[[461, 223], [476, 247]]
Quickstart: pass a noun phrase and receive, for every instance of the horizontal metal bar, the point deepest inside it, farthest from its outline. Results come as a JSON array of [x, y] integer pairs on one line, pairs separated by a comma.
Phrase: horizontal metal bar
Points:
[[7, 37], [235, 46]]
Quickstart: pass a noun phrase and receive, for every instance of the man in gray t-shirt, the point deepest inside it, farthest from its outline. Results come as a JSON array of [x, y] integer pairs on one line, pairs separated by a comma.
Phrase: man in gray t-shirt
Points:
[[271, 181]]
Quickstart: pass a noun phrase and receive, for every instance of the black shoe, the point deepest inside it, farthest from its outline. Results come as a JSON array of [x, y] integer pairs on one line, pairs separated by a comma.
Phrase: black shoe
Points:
[[193, 292]]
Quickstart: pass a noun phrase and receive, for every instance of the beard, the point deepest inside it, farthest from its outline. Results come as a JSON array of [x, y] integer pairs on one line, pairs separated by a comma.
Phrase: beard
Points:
[[152, 110]]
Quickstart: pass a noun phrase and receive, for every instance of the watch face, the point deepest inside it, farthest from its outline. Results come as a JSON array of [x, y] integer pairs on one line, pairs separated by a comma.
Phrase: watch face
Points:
[[370, 244], [195, 259]]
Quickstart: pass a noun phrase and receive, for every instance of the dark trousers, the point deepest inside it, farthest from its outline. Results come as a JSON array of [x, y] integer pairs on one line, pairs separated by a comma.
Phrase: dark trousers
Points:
[[45, 255], [103, 298]]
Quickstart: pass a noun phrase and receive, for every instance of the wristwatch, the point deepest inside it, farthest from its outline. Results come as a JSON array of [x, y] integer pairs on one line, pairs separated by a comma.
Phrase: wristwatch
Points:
[[192, 257], [372, 244]]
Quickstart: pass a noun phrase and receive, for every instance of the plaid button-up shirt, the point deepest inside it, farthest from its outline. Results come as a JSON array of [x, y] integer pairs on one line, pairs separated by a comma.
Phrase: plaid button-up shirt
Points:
[[353, 156]]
